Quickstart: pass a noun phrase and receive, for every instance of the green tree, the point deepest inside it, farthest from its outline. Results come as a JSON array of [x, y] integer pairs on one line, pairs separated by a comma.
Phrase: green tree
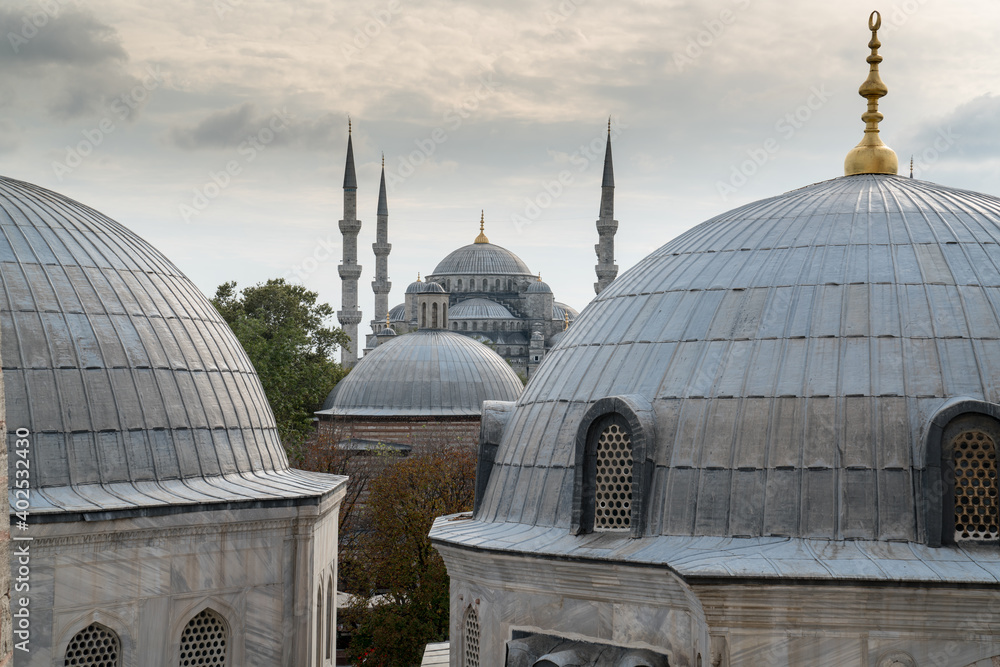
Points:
[[405, 605], [283, 331]]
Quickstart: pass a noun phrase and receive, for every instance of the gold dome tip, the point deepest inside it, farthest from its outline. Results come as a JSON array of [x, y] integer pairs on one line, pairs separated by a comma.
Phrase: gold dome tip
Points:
[[482, 236], [871, 156], [418, 276]]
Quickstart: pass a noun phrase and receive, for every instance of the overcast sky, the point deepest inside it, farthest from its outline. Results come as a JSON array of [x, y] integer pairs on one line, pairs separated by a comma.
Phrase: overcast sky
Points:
[[216, 129]]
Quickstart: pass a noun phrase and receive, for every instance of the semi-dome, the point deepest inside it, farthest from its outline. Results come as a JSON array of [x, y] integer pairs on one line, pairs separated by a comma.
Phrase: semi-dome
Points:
[[424, 373], [560, 310], [135, 391], [481, 259], [398, 313], [423, 287], [789, 358], [539, 287], [479, 309]]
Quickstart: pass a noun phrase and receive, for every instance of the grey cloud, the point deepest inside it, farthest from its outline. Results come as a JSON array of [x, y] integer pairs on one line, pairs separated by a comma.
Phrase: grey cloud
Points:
[[219, 130], [973, 129], [231, 127], [70, 36]]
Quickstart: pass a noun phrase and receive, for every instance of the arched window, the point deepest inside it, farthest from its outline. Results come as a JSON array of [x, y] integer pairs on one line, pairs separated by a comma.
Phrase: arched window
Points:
[[474, 325], [331, 600], [423, 316], [472, 284], [459, 284], [454, 326], [974, 493], [498, 285], [613, 477], [510, 285], [319, 627], [94, 646], [205, 641], [471, 652], [465, 326], [434, 316]]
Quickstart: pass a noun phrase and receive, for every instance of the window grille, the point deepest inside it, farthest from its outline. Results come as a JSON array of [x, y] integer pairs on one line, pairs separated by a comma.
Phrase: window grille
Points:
[[613, 481], [205, 641], [975, 459], [471, 638], [94, 646]]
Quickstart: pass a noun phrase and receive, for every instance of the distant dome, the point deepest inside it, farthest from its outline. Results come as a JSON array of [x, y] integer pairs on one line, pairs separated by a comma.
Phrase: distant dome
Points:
[[479, 309], [482, 259], [792, 351], [398, 313], [538, 287], [423, 287], [559, 311], [128, 379], [424, 373]]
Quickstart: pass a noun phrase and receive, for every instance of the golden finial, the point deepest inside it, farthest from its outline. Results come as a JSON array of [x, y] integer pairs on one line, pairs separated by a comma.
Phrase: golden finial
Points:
[[539, 276], [482, 224], [387, 320], [565, 320], [871, 156], [418, 276]]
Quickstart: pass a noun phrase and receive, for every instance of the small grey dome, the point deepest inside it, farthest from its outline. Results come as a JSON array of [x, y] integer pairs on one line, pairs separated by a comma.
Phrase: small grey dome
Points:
[[479, 309], [559, 311], [481, 259], [792, 353], [398, 313], [538, 287], [423, 287], [122, 370], [425, 373]]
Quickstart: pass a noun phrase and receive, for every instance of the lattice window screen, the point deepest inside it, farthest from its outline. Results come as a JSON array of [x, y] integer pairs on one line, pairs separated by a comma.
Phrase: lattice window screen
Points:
[[975, 457], [205, 641], [94, 646], [471, 638], [613, 482]]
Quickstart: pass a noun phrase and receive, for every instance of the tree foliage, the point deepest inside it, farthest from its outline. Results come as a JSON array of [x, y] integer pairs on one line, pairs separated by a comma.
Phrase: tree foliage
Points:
[[283, 331], [405, 604]]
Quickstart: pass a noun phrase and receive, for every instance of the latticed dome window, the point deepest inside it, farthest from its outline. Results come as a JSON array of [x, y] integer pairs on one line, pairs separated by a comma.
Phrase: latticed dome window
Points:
[[613, 479], [471, 638], [974, 456], [205, 641], [94, 646]]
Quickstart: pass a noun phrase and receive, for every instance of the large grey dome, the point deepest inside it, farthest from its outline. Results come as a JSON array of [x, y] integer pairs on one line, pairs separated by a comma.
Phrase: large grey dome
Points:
[[481, 259], [135, 391], [792, 354], [424, 373]]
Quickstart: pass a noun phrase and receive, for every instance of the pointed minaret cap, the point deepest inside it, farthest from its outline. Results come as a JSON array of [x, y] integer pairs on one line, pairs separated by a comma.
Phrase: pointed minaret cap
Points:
[[350, 178], [609, 170], [383, 207], [871, 156], [482, 235]]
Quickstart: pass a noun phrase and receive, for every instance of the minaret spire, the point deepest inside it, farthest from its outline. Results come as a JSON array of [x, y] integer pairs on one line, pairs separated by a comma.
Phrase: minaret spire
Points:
[[606, 224], [349, 316], [381, 248]]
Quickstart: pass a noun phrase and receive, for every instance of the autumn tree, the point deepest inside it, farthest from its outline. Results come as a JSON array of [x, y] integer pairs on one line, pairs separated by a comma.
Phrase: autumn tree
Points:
[[284, 332], [405, 601]]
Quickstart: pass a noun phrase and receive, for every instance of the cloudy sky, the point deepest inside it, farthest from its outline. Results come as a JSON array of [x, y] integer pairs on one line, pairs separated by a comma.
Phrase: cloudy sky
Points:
[[216, 129]]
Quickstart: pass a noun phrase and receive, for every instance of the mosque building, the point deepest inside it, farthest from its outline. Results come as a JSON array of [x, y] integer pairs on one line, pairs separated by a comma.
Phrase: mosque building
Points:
[[160, 522], [773, 441], [486, 291]]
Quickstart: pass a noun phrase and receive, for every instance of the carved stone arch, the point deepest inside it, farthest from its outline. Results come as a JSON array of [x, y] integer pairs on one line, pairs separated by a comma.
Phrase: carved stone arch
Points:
[[100, 617], [634, 414], [230, 618], [937, 495]]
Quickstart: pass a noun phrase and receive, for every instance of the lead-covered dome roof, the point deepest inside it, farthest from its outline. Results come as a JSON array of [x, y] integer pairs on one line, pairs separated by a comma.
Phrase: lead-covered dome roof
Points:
[[429, 373], [481, 259], [135, 391], [479, 308], [792, 352]]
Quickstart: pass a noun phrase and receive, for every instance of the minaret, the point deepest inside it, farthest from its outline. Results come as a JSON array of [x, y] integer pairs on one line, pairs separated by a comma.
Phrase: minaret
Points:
[[606, 225], [381, 247], [349, 316]]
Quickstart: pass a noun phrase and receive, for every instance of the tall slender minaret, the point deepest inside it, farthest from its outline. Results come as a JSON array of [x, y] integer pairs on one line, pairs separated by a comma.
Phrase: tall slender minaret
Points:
[[349, 316], [606, 225], [381, 247]]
